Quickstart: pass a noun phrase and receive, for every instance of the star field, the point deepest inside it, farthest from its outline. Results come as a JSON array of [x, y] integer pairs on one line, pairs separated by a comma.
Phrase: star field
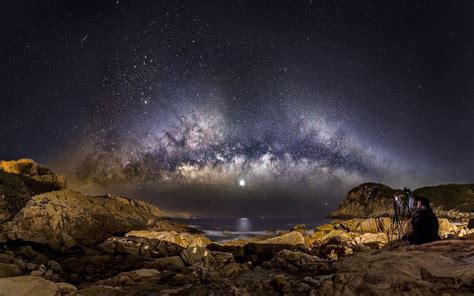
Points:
[[245, 108]]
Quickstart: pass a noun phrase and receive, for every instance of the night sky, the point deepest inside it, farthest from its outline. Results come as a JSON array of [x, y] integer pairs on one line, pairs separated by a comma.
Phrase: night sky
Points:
[[240, 108]]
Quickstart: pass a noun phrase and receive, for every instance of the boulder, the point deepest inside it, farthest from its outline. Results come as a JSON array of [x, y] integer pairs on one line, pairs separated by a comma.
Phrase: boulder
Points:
[[66, 288], [325, 227], [300, 228], [291, 238], [236, 250], [129, 277], [446, 228], [295, 262], [28, 285], [319, 238], [166, 224], [139, 246], [371, 225], [27, 252], [7, 270], [371, 238], [258, 252], [166, 263], [193, 255], [7, 258], [279, 281], [55, 266], [184, 240]]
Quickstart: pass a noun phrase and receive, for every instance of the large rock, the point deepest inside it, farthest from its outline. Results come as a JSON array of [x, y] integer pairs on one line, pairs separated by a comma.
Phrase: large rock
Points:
[[291, 238], [371, 225], [36, 207], [193, 255], [148, 247], [321, 238], [63, 218], [185, 240], [21, 179], [446, 228], [296, 262], [28, 285], [7, 270], [166, 263], [371, 239], [129, 277], [444, 267]]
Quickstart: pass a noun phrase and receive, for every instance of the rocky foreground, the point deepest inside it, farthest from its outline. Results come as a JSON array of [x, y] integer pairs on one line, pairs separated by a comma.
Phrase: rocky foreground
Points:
[[55, 241]]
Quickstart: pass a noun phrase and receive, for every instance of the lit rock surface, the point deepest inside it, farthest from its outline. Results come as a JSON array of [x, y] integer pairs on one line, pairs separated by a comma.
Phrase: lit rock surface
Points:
[[36, 207], [37, 177], [63, 242], [64, 218], [432, 269], [291, 238], [28, 285], [185, 240]]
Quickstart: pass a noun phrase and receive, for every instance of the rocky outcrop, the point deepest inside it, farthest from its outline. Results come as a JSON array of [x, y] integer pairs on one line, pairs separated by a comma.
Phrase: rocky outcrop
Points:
[[36, 207], [128, 266], [182, 239], [290, 238], [367, 200], [20, 180], [62, 242], [36, 177], [62, 219], [371, 200]]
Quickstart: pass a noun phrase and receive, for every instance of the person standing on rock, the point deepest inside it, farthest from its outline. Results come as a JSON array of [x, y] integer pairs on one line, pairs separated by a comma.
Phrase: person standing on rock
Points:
[[424, 223]]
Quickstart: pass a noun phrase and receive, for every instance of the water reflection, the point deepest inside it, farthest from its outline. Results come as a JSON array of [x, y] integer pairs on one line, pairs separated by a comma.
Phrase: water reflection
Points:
[[243, 225]]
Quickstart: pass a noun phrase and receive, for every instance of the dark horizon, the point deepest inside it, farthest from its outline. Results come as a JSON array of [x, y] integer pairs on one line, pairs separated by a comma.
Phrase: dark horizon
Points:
[[252, 108]]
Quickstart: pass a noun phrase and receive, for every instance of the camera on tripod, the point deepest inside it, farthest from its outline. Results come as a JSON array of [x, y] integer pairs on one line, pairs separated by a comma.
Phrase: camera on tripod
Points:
[[403, 204], [403, 200]]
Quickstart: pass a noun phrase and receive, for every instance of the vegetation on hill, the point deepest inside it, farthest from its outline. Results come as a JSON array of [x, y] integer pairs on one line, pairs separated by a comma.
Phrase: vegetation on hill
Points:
[[450, 196]]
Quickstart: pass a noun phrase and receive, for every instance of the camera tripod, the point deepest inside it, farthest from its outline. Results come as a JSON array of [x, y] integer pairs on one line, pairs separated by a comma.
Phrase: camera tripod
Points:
[[398, 225]]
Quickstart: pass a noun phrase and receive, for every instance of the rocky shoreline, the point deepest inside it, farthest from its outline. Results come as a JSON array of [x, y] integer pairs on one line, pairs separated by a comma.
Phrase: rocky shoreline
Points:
[[55, 241]]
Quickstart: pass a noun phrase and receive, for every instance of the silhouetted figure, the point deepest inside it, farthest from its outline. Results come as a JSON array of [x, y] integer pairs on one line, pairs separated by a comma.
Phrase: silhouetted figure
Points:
[[424, 223]]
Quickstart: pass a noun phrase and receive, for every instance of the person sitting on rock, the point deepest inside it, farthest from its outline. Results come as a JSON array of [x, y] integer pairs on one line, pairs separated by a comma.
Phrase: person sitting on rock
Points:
[[423, 222]]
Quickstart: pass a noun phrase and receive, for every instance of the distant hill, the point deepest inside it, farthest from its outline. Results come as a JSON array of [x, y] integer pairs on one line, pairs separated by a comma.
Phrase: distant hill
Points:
[[450, 196], [453, 201]]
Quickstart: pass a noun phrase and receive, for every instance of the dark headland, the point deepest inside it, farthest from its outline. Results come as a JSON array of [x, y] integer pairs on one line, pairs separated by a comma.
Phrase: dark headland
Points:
[[56, 241]]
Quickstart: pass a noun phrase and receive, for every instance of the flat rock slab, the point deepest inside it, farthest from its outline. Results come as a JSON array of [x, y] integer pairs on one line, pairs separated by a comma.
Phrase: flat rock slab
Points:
[[441, 267], [28, 285]]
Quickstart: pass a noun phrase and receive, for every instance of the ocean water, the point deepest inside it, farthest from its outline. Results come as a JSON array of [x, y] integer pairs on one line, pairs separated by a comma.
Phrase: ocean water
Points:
[[220, 229]]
